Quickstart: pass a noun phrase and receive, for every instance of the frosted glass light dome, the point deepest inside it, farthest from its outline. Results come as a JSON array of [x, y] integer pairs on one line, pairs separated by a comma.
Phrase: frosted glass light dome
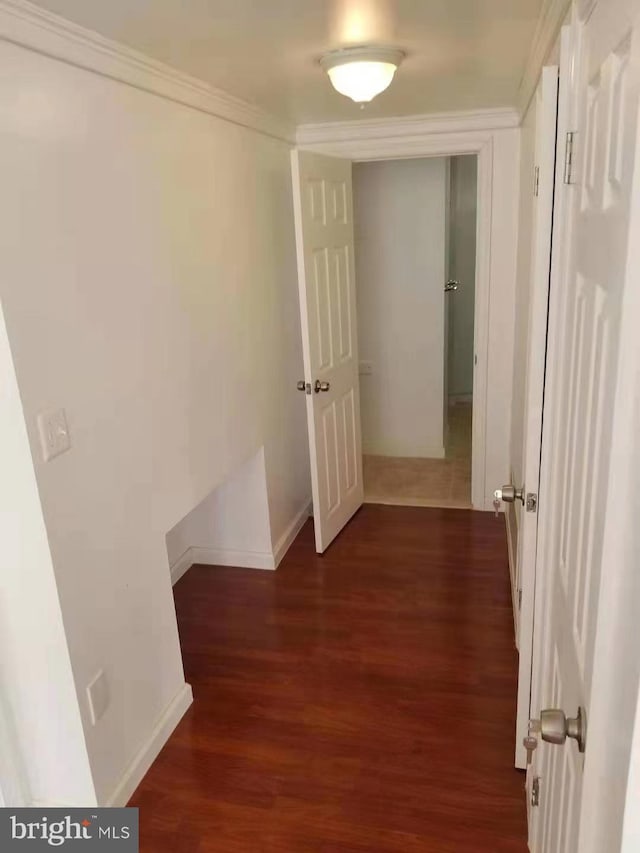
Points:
[[361, 73]]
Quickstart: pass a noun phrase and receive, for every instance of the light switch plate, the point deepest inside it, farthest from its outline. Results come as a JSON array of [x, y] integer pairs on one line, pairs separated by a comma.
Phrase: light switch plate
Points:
[[98, 696], [54, 433]]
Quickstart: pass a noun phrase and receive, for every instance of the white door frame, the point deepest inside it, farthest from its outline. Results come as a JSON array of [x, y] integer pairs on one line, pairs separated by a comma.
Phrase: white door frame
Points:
[[524, 581], [362, 149]]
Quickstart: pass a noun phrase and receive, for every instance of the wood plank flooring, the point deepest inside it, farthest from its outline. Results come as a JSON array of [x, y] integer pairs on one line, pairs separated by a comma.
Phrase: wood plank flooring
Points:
[[358, 702]]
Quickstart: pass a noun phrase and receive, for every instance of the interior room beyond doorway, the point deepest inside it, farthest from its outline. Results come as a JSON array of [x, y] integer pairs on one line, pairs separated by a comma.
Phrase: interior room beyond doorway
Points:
[[415, 253]]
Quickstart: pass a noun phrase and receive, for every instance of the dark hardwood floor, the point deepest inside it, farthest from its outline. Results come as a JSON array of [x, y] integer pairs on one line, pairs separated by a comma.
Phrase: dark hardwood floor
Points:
[[358, 702]]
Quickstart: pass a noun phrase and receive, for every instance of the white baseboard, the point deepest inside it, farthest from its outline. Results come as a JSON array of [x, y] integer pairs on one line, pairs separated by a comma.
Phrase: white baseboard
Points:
[[229, 557], [220, 557], [285, 541], [182, 564], [408, 453], [150, 750], [241, 559]]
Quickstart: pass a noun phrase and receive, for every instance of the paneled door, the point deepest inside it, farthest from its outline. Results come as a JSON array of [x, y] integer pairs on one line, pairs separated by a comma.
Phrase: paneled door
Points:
[[590, 282], [323, 207]]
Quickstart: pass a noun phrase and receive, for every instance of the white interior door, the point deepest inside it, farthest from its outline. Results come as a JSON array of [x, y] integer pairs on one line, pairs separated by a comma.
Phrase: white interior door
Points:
[[589, 284], [323, 206], [542, 186]]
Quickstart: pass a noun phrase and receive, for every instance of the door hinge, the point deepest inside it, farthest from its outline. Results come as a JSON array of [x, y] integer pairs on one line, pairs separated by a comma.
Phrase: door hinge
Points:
[[532, 502], [535, 791], [568, 158], [536, 180], [519, 599]]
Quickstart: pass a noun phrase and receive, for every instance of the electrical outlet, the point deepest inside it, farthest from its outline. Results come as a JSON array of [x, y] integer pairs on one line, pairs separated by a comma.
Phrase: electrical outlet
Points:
[[366, 368], [98, 696], [54, 433]]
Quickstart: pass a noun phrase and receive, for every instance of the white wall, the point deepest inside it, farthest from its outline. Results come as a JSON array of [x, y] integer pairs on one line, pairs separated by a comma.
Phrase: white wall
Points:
[[462, 268], [43, 754], [149, 285], [232, 518], [399, 217]]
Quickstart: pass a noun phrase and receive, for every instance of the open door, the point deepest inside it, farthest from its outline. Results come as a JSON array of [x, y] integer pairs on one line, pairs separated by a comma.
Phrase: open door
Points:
[[323, 207], [543, 182], [585, 665]]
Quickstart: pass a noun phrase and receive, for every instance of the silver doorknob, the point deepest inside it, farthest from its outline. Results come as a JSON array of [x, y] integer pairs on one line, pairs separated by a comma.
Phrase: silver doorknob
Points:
[[321, 386], [555, 727], [452, 284], [509, 494], [302, 385]]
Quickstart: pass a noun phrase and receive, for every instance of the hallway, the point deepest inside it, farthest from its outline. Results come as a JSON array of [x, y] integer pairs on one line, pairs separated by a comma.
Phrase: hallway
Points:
[[444, 482], [358, 702]]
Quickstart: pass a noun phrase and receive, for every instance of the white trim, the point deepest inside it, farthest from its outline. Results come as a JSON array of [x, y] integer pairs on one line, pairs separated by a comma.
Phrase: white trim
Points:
[[29, 26], [511, 523], [181, 565], [286, 540], [428, 503], [420, 125], [551, 17], [358, 144], [150, 750], [380, 449], [457, 399], [241, 559], [227, 557]]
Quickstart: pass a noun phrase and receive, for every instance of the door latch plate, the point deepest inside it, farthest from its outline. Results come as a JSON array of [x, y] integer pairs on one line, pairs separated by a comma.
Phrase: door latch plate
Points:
[[531, 502], [535, 791]]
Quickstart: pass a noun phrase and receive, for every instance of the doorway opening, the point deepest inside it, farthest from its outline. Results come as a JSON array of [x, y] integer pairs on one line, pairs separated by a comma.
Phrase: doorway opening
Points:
[[415, 224]]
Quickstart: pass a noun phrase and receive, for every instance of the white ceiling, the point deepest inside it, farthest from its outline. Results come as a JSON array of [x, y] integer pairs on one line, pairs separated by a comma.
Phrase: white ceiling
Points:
[[461, 54]]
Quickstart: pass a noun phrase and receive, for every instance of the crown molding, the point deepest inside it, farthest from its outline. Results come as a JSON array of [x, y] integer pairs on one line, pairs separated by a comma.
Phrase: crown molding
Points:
[[407, 126], [551, 18], [585, 8], [27, 25]]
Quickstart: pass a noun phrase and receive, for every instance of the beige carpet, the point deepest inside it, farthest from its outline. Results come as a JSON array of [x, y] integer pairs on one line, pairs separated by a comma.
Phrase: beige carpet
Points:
[[426, 482]]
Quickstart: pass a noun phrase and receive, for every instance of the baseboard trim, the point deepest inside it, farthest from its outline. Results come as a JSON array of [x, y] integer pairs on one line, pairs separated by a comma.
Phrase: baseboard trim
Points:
[[425, 453], [241, 559], [150, 750], [228, 557], [220, 557], [286, 540], [182, 565]]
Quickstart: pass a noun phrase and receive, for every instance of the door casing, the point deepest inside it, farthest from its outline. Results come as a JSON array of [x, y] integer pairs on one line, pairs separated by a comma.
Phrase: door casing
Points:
[[450, 145]]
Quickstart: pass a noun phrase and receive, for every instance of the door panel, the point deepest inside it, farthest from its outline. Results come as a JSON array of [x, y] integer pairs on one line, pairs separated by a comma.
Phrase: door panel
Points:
[[587, 289], [324, 236]]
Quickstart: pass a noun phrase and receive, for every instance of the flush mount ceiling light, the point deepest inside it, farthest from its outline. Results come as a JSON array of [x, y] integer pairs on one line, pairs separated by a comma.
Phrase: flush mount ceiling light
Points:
[[361, 73]]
